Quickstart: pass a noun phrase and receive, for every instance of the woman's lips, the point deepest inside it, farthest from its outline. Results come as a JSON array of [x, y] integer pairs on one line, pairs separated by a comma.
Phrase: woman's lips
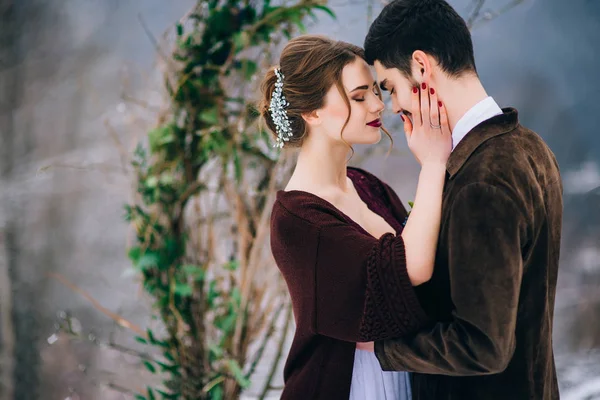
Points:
[[376, 123]]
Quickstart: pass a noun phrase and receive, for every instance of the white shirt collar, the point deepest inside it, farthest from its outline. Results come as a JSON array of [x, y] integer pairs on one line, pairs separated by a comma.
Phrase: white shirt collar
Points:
[[482, 111]]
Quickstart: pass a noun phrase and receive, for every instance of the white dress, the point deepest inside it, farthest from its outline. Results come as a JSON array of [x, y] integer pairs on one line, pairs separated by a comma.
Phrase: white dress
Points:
[[370, 382]]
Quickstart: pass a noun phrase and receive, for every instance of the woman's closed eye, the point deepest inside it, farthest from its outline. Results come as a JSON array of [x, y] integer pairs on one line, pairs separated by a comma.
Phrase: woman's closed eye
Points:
[[375, 92]]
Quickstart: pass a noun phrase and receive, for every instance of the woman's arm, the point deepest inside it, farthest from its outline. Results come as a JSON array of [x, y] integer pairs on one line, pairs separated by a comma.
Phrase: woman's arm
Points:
[[344, 284], [422, 228], [430, 139], [363, 290]]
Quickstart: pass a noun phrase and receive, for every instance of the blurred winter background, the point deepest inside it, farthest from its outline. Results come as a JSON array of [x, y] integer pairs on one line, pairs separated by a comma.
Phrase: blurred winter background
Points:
[[69, 70]]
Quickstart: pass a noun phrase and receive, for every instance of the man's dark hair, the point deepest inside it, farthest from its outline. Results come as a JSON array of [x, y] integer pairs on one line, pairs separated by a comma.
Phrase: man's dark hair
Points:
[[432, 26]]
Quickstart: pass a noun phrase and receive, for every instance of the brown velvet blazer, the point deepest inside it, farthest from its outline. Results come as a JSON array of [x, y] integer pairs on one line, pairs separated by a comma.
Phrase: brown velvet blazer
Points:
[[493, 287]]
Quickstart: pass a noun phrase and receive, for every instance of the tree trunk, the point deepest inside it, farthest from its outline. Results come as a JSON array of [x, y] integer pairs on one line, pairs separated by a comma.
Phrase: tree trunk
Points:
[[19, 355]]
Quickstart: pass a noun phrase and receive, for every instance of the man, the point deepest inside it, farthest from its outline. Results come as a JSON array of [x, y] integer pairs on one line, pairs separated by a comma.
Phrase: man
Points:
[[493, 289]]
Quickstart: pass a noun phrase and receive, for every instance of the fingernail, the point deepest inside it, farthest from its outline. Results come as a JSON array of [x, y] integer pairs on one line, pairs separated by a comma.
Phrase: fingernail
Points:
[[423, 86], [439, 104], [415, 89], [402, 116], [431, 91]]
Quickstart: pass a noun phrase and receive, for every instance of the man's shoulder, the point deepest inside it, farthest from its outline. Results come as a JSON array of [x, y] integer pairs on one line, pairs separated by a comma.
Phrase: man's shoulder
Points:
[[517, 162], [519, 149], [517, 139]]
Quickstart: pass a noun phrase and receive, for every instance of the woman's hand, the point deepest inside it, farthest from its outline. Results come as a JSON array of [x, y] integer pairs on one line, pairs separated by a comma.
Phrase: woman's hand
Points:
[[367, 346], [428, 134]]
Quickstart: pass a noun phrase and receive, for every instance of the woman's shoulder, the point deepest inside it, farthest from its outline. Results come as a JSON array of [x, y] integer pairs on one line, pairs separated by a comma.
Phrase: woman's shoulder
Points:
[[299, 221], [367, 181], [304, 208], [377, 189], [360, 172]]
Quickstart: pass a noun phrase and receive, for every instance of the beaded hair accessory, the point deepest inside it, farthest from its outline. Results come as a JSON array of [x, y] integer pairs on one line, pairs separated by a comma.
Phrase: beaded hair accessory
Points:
[[278, 112]]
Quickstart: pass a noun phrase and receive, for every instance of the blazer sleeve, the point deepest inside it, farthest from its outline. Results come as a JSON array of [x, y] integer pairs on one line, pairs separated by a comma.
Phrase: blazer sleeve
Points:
[[486, 232]]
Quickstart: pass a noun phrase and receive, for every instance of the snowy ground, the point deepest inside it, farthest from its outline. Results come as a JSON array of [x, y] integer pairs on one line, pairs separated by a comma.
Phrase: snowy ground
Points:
[[579, 376]]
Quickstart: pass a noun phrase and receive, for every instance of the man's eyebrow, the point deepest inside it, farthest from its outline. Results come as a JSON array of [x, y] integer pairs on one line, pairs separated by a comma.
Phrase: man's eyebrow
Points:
[[383, 85]]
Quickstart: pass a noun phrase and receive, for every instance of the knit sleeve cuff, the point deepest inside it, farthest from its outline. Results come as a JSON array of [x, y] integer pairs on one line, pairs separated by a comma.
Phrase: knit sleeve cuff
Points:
[[391, 298]]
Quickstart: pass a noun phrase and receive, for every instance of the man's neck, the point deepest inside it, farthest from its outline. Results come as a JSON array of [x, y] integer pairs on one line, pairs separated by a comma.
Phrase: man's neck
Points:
[[460, 95]]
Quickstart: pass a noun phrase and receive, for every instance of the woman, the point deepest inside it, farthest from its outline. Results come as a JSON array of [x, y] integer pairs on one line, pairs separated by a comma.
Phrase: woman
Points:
[[336, 232]]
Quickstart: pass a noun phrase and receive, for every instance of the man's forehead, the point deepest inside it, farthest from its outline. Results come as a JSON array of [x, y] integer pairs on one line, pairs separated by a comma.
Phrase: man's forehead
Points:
[[379, 66], [380, 70]]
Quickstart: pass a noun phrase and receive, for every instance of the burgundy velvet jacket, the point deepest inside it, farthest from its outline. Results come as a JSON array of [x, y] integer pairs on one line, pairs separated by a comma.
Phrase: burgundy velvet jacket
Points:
[[346, 286]]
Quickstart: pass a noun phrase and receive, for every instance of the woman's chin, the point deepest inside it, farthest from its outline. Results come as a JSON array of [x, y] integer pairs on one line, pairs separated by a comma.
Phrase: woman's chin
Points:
[[369, 137], [372, 137]]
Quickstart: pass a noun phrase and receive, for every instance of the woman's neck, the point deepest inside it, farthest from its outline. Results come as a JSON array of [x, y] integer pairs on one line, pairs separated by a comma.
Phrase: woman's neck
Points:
[[321, 165]]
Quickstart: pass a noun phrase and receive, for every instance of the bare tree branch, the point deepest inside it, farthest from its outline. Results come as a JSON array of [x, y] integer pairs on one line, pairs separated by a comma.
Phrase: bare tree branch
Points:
[[115, 317]]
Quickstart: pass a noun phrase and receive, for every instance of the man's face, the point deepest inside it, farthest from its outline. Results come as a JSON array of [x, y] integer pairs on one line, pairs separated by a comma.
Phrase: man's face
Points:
[[398, 85]]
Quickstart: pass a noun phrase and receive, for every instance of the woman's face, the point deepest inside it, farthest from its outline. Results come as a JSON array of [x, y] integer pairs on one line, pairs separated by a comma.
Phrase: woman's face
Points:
[[365, 107]]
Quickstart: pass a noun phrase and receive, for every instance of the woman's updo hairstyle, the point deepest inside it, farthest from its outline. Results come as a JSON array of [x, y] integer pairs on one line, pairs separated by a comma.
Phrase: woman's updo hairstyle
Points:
[[311, 65]]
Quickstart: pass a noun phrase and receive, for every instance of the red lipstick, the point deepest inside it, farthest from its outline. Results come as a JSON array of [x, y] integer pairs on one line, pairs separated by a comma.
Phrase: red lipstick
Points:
[[375, 123]]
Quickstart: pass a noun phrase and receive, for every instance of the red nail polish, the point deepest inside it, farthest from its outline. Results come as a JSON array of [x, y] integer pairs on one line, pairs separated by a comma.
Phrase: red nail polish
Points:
[[423, 86], [431, 91], [415, 89], [440, 104], [402, 116]]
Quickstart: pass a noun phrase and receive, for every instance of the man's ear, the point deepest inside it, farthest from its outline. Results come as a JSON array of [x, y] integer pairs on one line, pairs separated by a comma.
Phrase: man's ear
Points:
[[422, 67], [312, 118]]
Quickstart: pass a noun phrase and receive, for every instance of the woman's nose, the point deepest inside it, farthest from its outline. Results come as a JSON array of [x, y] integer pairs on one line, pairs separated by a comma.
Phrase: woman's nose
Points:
[[378, 105]]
